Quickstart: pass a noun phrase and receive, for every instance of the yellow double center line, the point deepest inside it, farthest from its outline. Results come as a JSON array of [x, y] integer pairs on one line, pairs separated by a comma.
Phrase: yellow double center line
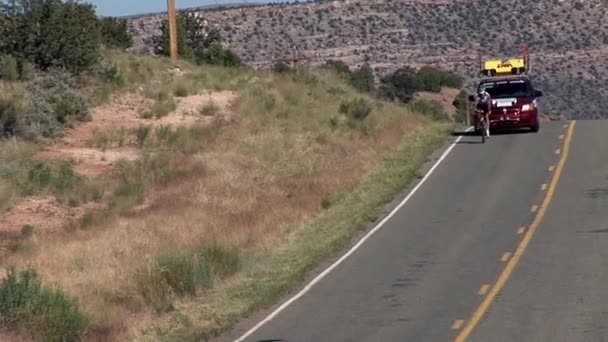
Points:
[[521, 248]]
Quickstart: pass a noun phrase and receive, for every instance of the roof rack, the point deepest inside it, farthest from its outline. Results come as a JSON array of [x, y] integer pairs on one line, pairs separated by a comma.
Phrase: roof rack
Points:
[[509, 66]]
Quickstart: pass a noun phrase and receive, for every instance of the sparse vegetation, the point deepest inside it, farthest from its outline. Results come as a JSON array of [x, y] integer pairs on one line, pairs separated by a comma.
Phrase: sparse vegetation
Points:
[[184, 274], [278, 115], [209, 109], [42, 312], [357, 109], [160, 108]]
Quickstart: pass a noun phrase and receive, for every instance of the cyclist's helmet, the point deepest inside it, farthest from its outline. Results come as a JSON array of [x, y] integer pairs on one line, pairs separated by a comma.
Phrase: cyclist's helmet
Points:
[[483, 94]]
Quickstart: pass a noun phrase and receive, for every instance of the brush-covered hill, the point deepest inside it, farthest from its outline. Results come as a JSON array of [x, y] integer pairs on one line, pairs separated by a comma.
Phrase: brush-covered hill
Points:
[[568, 39]]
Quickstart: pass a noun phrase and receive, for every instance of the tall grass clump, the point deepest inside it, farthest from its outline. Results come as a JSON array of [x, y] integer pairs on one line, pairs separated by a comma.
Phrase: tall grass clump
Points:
[[137, 177], [357, 109], [162, 107], [15, 161], [183, 274], [61, 180], [45, 313], [209, 109], [9, 70]]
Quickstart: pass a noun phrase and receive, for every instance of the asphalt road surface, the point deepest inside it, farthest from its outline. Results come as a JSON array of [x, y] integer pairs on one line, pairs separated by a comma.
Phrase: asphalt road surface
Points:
[[505, 241]]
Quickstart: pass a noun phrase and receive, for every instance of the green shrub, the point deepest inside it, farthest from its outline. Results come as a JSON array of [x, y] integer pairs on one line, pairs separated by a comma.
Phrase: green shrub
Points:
[[363, 79], [209, 109], [185, 273], [432, 109], [357, 109], [281, 68], [216, 54], [224, 261], [40, 175], [161, 108], [186, 139], [401, 85], [27, 230], [325, 203], [339, 67], [429, 79], [127, 195], [163, 133], [305, 76], [8, 68], [54, 102], [131, 189], [452, 80], [108, 72], [154, 289], [8, 115], [180, 91], [196, 42], [51, 33], [27, 71], [432, 79], [115, 33], [66, 180], [46, 314], [141, 134]]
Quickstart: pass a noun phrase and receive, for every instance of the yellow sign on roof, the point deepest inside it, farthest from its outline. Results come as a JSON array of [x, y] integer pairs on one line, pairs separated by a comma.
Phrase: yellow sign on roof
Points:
[[510, 66]]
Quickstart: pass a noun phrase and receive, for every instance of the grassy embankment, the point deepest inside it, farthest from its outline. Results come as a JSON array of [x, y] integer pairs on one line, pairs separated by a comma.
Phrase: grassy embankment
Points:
[[237, 211]]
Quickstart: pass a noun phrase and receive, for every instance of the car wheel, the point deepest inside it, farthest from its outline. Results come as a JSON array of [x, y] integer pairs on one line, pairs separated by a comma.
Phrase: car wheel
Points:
[[534, 128]]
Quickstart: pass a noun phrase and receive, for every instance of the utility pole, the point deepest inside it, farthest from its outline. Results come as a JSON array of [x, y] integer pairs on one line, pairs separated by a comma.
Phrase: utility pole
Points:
[[172, 30]]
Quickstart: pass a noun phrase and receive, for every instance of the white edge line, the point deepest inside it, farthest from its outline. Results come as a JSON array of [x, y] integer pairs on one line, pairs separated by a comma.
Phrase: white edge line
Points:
[[323, 274]]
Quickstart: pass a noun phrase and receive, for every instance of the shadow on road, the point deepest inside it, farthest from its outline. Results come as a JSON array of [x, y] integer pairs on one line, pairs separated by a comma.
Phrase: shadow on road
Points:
[[464, 134], [468, 142], [498, 133]]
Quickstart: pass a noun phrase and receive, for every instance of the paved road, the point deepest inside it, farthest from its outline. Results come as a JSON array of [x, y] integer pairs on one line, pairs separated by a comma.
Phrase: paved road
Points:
[[423, 275]]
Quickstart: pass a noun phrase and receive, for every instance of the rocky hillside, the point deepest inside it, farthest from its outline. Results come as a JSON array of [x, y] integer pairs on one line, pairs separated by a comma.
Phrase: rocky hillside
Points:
[[568, 39]]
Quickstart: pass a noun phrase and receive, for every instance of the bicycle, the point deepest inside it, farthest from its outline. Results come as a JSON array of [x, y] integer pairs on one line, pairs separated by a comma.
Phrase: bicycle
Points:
[[480, 125]]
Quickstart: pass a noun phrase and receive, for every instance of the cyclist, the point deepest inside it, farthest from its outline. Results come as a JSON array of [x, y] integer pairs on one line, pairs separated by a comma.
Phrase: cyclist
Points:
[[484, 105]]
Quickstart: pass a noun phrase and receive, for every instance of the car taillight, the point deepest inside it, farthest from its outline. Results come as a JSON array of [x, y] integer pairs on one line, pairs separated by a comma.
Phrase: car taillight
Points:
[[527, 107], [530, 106]]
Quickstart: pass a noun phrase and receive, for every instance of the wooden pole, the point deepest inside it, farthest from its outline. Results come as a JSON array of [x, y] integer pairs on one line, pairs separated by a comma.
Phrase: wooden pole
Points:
[[172, 30]]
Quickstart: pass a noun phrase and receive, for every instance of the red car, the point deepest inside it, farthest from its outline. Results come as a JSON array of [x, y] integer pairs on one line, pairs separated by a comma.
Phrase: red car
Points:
[[514, 102]]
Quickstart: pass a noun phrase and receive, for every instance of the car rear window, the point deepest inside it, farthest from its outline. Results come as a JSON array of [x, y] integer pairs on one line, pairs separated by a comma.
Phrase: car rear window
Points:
[[507, 88]]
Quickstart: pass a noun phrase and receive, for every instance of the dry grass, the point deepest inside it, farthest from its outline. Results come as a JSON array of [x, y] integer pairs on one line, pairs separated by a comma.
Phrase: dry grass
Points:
[[15, 161], [269, 184]]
